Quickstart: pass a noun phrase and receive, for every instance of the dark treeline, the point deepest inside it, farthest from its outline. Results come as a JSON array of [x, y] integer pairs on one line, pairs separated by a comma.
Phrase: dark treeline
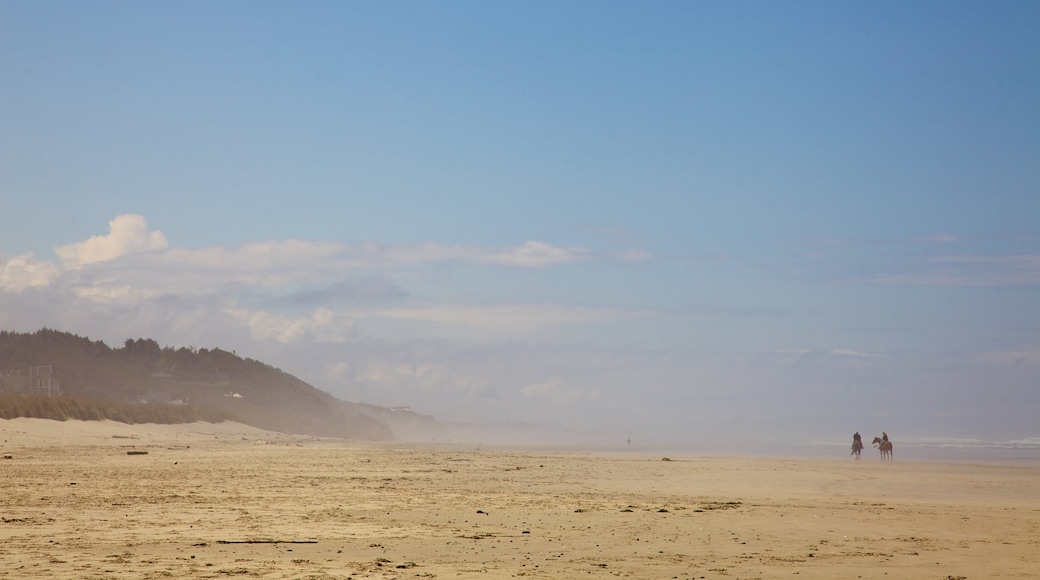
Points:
[[216, 383]]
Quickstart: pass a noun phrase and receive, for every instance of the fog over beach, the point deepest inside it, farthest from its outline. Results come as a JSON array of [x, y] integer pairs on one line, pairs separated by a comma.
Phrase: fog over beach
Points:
[[202, 500], [676, 228], [955, 450]]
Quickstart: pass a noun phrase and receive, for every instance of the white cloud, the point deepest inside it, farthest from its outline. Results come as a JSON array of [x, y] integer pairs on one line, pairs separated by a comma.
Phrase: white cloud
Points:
[[122, 294], [278, 262], [298, 262], [530, 254], [127, 234], [322, 325], [130, 283], [25, 271], [421, 375], [535, 255], [293, 264], [132, 263]]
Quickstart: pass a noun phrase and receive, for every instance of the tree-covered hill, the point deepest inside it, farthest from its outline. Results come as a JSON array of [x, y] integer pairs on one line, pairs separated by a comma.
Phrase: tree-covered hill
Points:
[[144, 372]]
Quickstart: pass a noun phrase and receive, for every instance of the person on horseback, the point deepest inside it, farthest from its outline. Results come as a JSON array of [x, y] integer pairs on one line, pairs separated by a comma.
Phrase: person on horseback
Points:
[[884, 445], [857, 444]]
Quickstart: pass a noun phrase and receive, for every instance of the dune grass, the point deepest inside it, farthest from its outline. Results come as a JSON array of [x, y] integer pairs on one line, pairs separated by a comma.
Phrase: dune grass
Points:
[[65, 408]]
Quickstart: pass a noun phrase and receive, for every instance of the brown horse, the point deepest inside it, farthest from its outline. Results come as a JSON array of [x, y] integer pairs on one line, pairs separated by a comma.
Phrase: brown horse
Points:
[[885, 447], [857, 446]]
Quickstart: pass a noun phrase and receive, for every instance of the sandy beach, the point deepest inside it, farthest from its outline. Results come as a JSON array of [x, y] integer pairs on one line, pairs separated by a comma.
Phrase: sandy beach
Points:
[[107, 500]]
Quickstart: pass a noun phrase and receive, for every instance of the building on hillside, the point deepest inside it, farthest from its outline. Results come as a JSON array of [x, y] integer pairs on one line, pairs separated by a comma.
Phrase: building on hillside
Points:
[[39, 380], [43, 382]]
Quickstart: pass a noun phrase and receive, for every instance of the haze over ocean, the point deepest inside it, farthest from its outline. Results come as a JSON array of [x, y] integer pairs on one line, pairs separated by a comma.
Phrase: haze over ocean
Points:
[[684, 223]]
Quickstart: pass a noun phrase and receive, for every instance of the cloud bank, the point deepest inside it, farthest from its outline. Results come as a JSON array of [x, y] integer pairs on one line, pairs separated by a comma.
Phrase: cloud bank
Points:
[[282, 290], [388, 324]]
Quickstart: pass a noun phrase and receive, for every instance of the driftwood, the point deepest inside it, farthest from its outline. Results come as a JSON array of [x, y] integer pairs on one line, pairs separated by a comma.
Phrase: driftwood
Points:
[[266, 541], [137, 453]]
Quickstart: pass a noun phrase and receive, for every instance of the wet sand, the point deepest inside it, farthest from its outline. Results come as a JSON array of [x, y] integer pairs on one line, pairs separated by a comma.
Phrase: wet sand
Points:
[[83, 499]]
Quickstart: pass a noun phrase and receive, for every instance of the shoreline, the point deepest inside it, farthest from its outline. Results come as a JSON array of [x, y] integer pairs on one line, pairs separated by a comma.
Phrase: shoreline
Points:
[[23, 430], [215, 500]]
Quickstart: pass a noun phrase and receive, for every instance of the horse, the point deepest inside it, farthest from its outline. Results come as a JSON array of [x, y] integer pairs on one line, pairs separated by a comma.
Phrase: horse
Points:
[[885, 447], [857, 446]]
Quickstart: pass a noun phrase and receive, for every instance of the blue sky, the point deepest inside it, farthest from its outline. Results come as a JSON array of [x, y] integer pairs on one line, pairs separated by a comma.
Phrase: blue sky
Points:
[[680, 220]]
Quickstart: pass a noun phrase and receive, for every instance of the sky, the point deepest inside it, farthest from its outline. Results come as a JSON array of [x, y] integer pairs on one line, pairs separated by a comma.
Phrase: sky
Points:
[[667, 221]]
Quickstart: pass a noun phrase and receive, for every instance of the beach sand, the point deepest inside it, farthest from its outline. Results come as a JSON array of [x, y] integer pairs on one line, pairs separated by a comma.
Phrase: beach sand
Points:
[[82, 500]]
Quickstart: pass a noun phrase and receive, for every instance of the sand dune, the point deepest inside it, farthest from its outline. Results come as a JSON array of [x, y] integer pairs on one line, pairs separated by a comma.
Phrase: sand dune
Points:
[[219, 501]]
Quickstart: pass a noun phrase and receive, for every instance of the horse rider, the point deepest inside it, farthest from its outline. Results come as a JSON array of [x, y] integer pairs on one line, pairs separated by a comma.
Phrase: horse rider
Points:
[[857, 444], [884, 437]]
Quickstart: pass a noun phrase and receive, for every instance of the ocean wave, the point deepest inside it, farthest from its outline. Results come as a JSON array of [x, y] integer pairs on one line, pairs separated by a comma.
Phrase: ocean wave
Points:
[[1027, 442], [946, 442], [965, 443]]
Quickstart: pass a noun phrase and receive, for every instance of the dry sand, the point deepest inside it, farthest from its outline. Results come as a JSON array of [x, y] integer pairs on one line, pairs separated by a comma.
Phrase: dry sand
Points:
[[220, 501]]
